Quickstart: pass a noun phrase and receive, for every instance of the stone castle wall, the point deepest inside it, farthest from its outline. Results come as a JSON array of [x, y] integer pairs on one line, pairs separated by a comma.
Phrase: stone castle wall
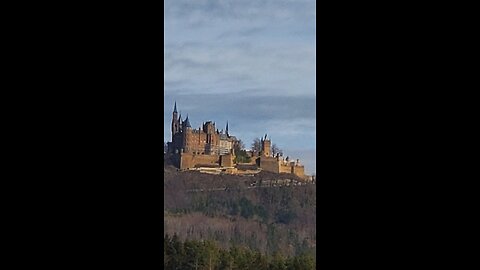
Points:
[[285, 168], [199, 142], [188, 160], [299, 171], [226, 160], [269, 164]]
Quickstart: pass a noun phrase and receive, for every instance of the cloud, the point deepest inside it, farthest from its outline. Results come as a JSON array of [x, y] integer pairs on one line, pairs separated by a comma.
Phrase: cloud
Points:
[[284, 68], [252, 31], [248, 10], [250, 62]]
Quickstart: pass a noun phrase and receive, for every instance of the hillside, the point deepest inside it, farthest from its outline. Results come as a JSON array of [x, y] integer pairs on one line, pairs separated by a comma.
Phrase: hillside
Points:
[[257, 212]]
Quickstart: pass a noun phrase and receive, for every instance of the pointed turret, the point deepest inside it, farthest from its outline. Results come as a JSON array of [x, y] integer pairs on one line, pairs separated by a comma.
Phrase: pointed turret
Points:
[[175, 107], [187, 122], [180, 121]]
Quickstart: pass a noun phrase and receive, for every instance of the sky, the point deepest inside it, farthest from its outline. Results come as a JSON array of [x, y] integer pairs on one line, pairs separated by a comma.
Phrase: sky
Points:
[[251, 63]]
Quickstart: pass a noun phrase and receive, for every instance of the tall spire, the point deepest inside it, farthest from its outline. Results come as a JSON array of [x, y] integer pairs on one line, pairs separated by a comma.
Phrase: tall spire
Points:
[[175, 122], [227, 128]]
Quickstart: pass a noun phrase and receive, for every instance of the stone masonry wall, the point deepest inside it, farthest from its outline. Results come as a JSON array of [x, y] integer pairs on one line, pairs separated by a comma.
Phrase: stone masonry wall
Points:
[[188, 160], [269, 164]]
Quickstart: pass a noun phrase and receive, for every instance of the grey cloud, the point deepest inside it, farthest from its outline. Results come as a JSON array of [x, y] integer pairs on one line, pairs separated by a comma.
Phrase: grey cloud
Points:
[[250, 62], [241, 33], [282, 68], [272, 9], [248, 107]]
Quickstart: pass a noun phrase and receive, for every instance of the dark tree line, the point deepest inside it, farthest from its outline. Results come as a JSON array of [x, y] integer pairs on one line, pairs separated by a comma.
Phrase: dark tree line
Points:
[[201, 255]]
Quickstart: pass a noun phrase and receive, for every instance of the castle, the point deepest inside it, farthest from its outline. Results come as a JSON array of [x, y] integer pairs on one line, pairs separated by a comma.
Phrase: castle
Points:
[[207, 147]]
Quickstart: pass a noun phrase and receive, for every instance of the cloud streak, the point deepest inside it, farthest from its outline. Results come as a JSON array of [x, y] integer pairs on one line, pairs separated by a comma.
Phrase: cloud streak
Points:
[[249, 62]]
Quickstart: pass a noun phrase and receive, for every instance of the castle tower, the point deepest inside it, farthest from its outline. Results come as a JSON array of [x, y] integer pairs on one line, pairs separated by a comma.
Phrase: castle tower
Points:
[[211, 137], [175, 122], [186, 124], [187, 134], [266, 145]]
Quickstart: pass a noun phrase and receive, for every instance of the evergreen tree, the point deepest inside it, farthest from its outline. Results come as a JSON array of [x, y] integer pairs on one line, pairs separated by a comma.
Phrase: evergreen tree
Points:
[[277, 262], [174, 251], [259, 261], [225, 260]]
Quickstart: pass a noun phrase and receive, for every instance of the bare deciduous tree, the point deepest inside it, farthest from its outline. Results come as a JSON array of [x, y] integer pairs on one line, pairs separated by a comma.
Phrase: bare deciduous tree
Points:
[[239, 145], [256, 145], [276, 150]]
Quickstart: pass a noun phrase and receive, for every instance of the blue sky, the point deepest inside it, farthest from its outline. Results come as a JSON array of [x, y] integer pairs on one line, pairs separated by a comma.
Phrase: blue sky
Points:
[[251, 63]]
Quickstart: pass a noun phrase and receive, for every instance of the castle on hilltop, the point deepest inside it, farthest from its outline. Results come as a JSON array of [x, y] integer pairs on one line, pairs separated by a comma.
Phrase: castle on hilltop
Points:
[[208, 148]]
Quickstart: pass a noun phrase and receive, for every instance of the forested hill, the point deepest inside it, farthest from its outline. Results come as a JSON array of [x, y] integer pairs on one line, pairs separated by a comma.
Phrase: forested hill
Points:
[[240, 211]]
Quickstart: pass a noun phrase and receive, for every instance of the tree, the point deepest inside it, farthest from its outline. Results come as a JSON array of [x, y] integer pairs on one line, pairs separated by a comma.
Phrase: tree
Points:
[[166, 242], [259, 262], [195, 255], [246, 208], [225, 260], [238, 146], [211, 251], [277, 262], [174, 252], [301, 262], [256, 145], [242, 157], [276, 149]]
